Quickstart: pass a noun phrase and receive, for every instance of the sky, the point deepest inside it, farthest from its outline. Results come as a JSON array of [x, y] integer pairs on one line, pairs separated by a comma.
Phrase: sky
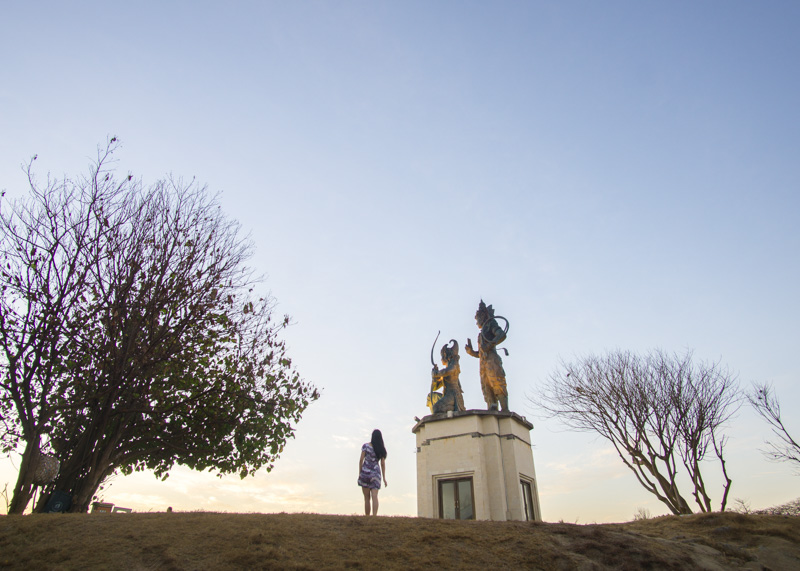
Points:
[[608, 175]]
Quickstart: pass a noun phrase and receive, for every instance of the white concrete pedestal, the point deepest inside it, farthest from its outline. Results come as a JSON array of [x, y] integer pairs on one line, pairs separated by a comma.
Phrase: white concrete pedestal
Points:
[[485, 453]]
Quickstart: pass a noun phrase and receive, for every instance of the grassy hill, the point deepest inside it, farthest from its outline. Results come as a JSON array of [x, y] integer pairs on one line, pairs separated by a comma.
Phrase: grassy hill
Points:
[[201, 540]]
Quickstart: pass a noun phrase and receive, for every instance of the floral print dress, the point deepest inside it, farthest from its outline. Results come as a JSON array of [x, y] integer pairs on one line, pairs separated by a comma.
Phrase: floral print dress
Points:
[[370, 476]]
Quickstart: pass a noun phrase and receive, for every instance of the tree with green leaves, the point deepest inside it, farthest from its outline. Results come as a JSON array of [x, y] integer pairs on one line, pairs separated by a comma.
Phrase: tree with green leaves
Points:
[[131, 338], [664, 414]]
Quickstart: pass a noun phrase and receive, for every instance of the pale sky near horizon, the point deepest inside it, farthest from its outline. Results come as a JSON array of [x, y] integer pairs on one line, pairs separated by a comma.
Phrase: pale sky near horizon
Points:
[[608, 175]]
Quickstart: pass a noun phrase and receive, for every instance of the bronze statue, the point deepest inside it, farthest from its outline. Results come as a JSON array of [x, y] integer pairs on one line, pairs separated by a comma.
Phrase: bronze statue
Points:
[[493, 377], [447, 378]]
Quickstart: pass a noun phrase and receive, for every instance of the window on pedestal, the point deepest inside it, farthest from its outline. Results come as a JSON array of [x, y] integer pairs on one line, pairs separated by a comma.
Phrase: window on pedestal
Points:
[[527, 500], [456, 499]]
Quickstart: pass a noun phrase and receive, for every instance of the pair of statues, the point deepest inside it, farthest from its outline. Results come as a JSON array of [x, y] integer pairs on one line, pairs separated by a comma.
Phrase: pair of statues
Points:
[[493, 377]]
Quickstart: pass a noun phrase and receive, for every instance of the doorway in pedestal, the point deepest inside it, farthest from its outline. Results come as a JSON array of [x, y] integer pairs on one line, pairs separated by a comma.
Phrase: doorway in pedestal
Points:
[[456, 499], [527, 500]]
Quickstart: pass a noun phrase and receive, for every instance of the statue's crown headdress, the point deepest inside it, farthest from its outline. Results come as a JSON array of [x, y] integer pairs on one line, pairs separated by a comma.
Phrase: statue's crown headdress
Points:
[[484, 311], [450, 351]]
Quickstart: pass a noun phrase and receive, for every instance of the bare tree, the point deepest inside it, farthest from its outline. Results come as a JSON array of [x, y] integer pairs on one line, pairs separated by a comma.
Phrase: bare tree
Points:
[[662, 413], [785, 448], [156, 351]]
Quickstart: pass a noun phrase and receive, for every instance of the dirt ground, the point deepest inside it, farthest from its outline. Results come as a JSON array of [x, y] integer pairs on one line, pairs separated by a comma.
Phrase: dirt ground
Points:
[[201, 540]]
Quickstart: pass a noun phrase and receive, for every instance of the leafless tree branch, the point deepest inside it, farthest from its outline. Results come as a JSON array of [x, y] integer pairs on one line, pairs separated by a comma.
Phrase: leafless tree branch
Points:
[[784, 448]]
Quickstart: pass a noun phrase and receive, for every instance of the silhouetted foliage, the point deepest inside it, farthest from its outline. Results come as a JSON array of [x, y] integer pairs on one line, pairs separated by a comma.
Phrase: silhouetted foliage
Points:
[[662, 413], [131, 338]]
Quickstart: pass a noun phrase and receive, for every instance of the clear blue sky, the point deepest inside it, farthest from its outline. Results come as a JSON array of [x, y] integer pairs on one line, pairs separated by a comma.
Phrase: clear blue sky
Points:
[[606, 174]]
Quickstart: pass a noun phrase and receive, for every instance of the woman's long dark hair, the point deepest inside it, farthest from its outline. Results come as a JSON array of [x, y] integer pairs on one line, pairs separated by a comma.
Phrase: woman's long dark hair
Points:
[[377, 444]]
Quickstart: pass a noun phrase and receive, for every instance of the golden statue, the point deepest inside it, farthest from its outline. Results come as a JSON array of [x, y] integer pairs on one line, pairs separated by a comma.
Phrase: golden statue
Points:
[[493, 377], [448, 378]]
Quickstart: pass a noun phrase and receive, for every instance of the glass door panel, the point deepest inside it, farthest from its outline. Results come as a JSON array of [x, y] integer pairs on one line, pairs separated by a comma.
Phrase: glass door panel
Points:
[[447, 492], [465, 499]]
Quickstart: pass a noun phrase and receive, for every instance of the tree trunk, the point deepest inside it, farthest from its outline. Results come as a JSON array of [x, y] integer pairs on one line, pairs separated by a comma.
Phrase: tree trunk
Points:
[[80, 477], [23, 490], [677, 504], [81, 489]]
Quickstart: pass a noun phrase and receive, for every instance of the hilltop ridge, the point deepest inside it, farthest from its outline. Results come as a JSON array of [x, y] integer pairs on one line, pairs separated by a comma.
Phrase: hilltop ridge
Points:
[[202, 540]]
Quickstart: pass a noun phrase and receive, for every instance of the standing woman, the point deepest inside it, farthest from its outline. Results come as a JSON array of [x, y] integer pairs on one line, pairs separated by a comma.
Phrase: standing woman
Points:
[[369, 472]]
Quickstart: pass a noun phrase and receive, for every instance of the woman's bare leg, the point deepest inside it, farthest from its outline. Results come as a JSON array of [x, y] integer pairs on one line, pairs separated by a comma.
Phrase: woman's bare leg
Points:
[[366, 500], [374, 502]]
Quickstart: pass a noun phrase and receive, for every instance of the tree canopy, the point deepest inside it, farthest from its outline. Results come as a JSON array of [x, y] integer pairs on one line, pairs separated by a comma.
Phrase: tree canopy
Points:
[[131, 336]]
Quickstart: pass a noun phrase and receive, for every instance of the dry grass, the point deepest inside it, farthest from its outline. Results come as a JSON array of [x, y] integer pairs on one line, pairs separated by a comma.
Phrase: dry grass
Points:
[[173, 541]]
